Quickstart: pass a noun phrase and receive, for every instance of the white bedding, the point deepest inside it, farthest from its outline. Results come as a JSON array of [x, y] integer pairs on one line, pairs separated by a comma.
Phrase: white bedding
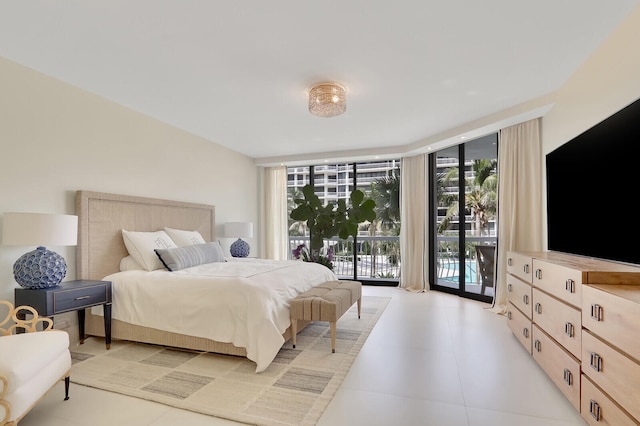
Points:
[[242, 301]]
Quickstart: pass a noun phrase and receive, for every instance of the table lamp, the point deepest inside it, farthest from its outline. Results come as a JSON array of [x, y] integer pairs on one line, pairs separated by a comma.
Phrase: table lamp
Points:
[[239, 248], [40, 268]]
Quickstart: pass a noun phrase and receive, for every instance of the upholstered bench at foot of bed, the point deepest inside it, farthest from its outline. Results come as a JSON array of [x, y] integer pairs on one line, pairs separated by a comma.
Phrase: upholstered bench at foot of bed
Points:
[[325, 302]]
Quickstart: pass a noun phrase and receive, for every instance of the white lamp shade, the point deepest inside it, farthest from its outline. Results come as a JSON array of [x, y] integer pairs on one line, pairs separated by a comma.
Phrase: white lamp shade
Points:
[[38, 229], [238, 230]]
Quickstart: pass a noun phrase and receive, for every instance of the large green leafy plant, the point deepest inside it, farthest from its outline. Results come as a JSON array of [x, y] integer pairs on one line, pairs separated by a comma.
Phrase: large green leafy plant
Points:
[[331, 220]]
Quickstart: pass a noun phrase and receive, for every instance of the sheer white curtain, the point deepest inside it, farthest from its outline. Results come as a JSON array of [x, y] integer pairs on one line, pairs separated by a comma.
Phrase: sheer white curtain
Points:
[[519, 198], [275, 213], [414, 253]]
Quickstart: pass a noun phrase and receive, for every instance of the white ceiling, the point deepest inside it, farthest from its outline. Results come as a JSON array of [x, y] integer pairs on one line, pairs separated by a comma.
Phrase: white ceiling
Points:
[[236, 73]]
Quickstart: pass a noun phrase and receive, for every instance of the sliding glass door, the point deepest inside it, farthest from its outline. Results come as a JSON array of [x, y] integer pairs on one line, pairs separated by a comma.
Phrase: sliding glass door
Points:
[[463, 220]]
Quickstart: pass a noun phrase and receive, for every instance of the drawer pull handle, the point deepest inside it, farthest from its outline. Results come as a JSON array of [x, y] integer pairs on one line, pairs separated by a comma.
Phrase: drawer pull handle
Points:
[[596, 361], [509, 288], [569, 329], [596, 312], [525, 299], [525, 332], [82, 297], [538, 274], [509, 262], [509, 315], [570, 285], [594, 410], [568, 377], [526, 268], [538, 308], [538, 345]]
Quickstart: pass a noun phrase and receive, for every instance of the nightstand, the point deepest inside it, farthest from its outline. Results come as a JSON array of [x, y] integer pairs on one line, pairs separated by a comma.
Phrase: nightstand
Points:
[[70, 296]]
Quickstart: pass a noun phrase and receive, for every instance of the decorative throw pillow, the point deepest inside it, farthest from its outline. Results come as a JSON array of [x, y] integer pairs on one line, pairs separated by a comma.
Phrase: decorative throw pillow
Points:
[[140, 246], [178, 258], [184, 238]]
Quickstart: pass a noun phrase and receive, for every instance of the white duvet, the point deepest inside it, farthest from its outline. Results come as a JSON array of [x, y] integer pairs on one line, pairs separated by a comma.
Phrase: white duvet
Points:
[[242, 301]]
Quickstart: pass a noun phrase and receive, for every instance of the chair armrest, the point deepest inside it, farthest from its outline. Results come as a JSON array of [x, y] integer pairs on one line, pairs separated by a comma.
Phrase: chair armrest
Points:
[[29, 325]]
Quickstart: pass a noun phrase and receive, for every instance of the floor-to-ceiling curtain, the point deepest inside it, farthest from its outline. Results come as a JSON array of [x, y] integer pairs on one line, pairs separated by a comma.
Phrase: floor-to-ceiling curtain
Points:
[[519, 198], [414, 253], [275, 213]]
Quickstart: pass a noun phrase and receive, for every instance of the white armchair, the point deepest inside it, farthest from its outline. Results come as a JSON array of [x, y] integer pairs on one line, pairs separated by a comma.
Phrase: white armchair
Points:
[[31, 363]]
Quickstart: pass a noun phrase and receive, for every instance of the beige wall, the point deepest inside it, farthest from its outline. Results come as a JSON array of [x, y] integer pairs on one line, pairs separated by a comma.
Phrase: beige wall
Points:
[[56, 139], [608, 81]]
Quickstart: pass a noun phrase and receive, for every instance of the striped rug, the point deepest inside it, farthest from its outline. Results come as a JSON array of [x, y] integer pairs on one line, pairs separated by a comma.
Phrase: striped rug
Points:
[[294, 390]]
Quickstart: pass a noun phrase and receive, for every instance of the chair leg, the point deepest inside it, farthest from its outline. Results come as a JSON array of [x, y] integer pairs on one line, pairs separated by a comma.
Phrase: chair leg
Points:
[[66, 388]]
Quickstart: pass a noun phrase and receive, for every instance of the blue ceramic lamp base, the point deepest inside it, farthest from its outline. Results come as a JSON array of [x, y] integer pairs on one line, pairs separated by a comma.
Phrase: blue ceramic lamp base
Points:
[[239, 248], [40, 268]]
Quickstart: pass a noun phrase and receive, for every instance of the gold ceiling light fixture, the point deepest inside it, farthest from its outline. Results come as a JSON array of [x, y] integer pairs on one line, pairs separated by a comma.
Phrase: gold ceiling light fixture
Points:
[[327, 99]]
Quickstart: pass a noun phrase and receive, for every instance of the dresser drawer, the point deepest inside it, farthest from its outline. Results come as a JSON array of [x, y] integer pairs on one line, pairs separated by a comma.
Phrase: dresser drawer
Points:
[[562, 367], [77, 298], [559, 320], [598, 409], [519, 293], [563, 282], [612, 312], [615, 373], [520, 266], [520, 325]]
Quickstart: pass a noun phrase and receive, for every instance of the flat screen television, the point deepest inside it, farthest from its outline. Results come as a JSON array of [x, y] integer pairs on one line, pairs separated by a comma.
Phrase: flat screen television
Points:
[[593, 190]]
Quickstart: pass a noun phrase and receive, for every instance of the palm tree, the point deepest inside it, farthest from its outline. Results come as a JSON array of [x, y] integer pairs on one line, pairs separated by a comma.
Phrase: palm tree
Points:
[[385, 192], [480, 195]]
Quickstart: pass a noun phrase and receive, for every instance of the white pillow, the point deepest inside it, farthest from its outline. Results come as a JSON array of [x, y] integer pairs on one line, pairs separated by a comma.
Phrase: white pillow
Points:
[[128, 263], [141, 246], [184, 238]]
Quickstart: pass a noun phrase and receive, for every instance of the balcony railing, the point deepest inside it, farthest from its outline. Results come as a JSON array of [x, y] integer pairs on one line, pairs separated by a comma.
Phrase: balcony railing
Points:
[[377, 258], [449, 266]]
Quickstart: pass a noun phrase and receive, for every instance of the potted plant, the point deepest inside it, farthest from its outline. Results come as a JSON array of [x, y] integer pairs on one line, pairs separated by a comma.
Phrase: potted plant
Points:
[[329, 221]]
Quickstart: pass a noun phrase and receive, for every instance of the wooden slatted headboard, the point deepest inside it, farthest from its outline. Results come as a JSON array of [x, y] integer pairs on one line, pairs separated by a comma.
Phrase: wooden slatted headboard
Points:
[[102, 216]]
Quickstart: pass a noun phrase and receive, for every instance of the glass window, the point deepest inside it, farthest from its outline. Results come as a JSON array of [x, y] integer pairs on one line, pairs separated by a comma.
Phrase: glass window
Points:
[[374, 256]]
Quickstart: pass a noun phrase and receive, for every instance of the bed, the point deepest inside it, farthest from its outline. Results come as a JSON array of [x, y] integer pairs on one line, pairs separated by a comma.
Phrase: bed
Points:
[[235, 307]]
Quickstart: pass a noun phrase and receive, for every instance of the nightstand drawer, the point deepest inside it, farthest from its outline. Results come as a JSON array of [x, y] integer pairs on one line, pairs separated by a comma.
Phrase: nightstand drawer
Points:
[[68, 296], [73, 299]]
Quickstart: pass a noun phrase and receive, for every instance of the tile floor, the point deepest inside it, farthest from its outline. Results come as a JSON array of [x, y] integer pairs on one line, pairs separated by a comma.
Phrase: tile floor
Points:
[[432, 359]]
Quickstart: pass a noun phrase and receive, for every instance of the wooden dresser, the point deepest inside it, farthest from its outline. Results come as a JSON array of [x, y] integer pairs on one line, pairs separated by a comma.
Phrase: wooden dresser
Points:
[[580, 320]]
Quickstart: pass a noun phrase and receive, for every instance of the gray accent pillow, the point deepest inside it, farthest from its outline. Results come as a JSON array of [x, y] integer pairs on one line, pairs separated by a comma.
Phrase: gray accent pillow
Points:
[[177, 258]]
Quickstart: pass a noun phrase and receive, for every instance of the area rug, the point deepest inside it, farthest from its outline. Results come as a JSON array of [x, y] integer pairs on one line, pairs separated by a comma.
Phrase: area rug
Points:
[[294, 390]]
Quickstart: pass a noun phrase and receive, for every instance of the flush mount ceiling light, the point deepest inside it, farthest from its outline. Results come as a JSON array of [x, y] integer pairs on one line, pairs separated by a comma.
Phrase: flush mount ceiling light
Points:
[[327, 99]]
